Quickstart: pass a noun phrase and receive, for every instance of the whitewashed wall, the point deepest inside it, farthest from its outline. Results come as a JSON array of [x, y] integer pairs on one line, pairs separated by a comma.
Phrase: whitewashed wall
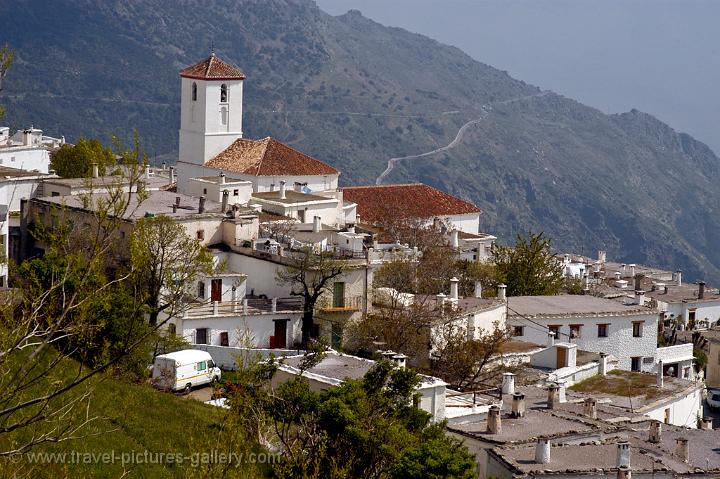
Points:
[[619, 343], [26, 158], [243, 331], [684, 412]]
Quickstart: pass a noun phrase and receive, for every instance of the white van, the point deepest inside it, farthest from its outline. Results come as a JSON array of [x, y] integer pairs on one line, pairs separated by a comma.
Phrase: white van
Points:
[[182, 370]]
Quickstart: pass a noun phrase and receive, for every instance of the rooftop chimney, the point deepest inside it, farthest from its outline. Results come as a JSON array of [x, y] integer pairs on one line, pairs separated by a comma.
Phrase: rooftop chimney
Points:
[[177, 201], [553, 399], [147, 172], [681, 449], [638, 281], [542, 451], [550, 339], [655, 431], [478, 289], [706, 423], [317, 225], [388, 355], [225, 197], [455, 238], [678, 277], [640, 297], [624, 472], [701, 289], [441, 299], [623, 454], [454, 288], [632, 270], [172, 175], [201, 206], [357, 219], [602, 256], [590, 408], [502, 291], [174, 208], [508, 383], [660, 378], [518, 405], [494, 423], [222, 178], [602, 364], [95, 170], [400, 360], [282, 189]]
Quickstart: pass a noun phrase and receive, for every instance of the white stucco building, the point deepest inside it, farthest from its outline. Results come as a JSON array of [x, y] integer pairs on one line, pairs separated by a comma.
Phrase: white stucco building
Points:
[[27, 149], [626, 331]]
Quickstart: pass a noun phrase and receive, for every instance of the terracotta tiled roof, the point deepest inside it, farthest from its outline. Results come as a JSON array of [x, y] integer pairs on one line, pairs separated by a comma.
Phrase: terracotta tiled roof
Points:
[[267, 157], [414, 200], [212, 68]]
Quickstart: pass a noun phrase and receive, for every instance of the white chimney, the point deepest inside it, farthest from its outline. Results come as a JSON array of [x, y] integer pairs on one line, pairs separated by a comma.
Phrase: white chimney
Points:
[[508, 383], [95, 170], [551, 339], [602, 364], [502, 291], [518, 405], [494, 422], [147, 172], [454, 288], [225, 198], [660, 378], [678, 276], [590, 408], [172, 175], [282, 189], [632, 270], [542, 451], [681, 449], [222, 178], [562, 384], [441, 299], [478, 289], [655, 431], [623, 454], [602, 256], [400, 360], [317, 225], [455, 238], [640, 297]]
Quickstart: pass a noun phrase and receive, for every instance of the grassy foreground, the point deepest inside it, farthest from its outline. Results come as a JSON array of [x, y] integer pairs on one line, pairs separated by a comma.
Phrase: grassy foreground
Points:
[[136, 429]]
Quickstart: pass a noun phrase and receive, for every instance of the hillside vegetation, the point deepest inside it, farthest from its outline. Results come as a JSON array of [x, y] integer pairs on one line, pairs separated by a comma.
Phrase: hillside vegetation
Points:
[[355, 94]]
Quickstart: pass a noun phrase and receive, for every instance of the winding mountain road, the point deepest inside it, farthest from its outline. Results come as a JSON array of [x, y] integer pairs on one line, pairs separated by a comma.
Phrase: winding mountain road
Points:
[[458, 137]]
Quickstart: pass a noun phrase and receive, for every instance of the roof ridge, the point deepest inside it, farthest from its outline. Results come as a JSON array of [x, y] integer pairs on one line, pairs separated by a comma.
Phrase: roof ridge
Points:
[[385, 186]]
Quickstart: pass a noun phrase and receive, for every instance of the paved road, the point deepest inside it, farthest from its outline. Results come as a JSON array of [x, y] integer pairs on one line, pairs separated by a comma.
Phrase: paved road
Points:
[[458, 137]]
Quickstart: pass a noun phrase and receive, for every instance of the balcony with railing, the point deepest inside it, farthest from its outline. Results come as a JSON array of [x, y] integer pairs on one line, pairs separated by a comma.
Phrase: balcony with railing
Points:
[[348, 304], [246, 307]]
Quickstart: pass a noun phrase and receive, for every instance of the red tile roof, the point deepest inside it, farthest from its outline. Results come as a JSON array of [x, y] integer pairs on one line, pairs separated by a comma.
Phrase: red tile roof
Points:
[[415, 200], [267, 157], [212, 68]]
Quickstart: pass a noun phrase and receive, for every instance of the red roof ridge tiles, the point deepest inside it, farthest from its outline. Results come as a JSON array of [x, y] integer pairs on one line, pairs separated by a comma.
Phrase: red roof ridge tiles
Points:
[[409, 200], [212, 68], [267, 157]]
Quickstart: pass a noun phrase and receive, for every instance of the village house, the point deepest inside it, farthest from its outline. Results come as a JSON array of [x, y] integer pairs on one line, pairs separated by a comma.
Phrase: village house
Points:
[[626, 331], [27, 149]]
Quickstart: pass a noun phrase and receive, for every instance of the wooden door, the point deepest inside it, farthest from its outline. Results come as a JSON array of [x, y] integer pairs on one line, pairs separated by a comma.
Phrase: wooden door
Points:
[[280, 333], [561, 357], [216, 290]]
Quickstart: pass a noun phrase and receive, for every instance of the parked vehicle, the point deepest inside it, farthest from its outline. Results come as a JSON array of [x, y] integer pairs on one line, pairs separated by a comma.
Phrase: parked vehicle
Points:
[[713, 399], [183, 370]]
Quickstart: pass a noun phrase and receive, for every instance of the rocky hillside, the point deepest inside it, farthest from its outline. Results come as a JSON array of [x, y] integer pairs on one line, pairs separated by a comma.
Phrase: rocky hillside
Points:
[[355, 94]]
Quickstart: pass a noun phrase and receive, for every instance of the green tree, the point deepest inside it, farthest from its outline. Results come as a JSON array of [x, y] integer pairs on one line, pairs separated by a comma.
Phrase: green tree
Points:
[[529, 268], [76, 161], [7, 56], [167, 263], [309, 276], [361, 428]]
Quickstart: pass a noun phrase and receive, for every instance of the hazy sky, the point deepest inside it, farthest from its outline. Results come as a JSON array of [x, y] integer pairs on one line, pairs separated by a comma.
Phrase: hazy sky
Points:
[[659, 56]]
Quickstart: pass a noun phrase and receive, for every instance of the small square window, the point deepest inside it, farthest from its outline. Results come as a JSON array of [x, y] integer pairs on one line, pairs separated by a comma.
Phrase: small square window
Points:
[[204, 191], [575, 331], [236, 192], [518, 330], [603, 330], [201, 234], [637, 329]]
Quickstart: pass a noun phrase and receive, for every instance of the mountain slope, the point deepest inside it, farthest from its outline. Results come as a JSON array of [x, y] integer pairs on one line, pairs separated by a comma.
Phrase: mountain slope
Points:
[[355, 94]]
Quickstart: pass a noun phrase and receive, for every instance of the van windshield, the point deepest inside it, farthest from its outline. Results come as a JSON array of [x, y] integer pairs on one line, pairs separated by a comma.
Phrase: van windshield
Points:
[[211, 364]]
